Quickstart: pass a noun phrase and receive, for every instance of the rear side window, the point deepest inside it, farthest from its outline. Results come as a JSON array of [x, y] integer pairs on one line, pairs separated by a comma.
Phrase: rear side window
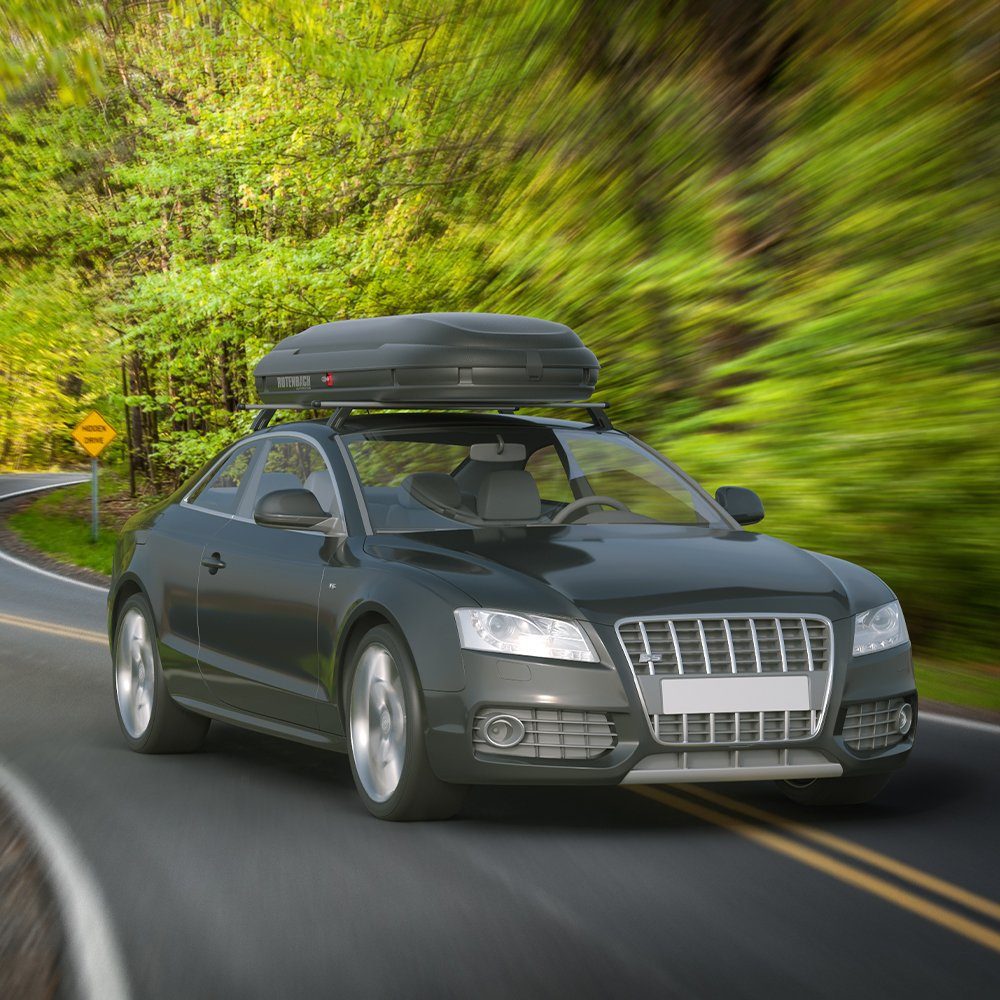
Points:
[[221, 491], [293, 464]]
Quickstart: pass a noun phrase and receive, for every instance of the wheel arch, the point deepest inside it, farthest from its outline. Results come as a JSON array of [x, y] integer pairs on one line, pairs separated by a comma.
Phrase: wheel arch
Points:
[[361, 620], [127, 587]]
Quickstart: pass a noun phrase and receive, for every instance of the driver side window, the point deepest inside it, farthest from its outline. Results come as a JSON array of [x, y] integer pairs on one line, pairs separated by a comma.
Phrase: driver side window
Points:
[[221, 492]]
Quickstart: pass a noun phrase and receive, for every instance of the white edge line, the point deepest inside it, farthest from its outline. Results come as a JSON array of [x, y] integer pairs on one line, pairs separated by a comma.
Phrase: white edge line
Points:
[[96, 964], [50, 574], [39, 489], [955, 720], [38, 569]]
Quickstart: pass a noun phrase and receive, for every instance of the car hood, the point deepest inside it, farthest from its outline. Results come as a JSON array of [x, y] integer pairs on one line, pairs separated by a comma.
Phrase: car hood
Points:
[[606, 572]]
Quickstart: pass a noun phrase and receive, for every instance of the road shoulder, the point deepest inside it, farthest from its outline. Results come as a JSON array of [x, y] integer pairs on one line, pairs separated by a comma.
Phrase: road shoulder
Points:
[[13, 544], [31, 933], [968, 712]]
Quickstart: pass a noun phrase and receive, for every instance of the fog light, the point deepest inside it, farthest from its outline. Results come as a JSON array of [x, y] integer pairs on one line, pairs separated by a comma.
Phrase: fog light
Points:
[[503, 730], [904, 719]]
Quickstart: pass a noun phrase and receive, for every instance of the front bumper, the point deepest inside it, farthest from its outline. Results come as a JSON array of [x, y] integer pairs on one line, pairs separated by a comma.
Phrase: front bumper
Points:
[[609, 687]]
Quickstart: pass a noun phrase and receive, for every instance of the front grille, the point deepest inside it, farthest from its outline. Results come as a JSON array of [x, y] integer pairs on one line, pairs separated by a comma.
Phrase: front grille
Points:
[[685, 646], [734, 727], [660, 648], [551, 734], [873, 725]]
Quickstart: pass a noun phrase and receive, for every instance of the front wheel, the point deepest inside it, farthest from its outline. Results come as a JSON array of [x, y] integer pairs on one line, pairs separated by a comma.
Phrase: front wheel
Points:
[[836, 791], [151, 721], [385, 723]]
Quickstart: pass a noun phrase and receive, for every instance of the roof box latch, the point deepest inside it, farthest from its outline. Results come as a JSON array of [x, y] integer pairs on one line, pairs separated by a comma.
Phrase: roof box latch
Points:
[[533, 365]]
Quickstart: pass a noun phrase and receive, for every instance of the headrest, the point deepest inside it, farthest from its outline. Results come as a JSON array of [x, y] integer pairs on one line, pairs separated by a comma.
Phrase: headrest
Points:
[[271, 482], [322, 487], [432, 489], [508, 495]]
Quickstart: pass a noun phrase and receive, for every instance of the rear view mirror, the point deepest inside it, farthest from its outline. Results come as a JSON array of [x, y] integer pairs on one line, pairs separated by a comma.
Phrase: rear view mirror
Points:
[[743, 505], [500, 451], [290, 509]]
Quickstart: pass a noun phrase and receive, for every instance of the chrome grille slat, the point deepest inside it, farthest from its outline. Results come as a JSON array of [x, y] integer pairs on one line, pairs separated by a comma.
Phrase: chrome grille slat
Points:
[[677, 648], [729, 640], [781, 645], [705, 646], [756, 645], [646, 649]]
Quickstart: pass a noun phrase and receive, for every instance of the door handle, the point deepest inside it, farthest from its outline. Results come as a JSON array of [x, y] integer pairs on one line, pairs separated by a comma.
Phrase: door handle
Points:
[[214, 563]]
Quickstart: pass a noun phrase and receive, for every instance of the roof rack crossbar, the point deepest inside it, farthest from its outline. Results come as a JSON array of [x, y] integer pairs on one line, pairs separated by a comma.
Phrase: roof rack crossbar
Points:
[[342, 409]]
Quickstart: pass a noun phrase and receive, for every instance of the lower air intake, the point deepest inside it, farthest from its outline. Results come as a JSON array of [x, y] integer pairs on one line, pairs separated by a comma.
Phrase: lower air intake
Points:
[[873, 725], [549, 734]]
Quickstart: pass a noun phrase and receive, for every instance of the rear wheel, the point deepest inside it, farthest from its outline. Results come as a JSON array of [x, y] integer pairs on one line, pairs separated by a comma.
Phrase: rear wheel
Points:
[[836, 791], [151, 721], [385, 722]]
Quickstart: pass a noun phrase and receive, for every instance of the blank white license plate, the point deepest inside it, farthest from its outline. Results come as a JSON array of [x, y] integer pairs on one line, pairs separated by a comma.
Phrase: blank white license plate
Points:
[[754, 693]]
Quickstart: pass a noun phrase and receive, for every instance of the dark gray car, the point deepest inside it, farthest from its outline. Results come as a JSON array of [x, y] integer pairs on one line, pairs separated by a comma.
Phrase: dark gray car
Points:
[[457, 597]]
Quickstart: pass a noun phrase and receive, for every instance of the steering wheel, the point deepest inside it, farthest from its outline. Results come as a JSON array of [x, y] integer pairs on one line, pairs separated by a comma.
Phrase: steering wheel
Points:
[[581, 502]]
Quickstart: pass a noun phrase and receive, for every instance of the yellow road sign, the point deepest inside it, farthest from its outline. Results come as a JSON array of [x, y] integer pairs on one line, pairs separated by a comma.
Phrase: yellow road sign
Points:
[[94, 433]]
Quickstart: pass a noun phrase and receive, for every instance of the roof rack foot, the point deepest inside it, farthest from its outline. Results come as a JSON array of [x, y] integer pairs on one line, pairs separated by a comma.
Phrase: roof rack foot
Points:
[[599, 417], [261, 419]]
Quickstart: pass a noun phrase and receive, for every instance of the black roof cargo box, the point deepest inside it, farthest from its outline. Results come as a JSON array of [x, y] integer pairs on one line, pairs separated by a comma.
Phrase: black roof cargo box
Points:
[[430, 358]]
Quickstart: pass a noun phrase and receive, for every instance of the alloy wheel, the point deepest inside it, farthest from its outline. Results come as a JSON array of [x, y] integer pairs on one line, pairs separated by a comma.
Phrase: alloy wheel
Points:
[[135, 674], [378, 722]]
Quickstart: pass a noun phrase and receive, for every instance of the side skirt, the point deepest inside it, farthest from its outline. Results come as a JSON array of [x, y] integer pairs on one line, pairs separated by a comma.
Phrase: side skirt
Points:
[[260, 724]]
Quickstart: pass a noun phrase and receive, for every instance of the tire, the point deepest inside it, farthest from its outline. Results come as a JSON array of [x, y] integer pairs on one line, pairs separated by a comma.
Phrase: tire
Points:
[[151, 721], [385, 726], [836, 791]]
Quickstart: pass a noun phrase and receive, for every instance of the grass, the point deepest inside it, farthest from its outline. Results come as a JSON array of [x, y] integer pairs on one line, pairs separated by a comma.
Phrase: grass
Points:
[[67, 538], [970, 684], [59, 524]]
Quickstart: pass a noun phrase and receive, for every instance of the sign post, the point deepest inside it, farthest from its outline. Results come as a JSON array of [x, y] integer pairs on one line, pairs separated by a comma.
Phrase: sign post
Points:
[[93, 434], [93, 499]]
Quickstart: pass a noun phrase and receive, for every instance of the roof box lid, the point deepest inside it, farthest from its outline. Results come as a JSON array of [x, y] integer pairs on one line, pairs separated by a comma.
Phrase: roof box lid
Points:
[[430, 358]]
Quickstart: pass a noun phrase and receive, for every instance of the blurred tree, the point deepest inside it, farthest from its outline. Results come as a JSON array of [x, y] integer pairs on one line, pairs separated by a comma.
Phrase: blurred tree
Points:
[[775, 222]]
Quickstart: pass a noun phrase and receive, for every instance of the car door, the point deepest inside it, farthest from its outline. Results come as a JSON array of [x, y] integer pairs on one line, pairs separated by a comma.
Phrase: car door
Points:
[[170, 559], [258, 593]]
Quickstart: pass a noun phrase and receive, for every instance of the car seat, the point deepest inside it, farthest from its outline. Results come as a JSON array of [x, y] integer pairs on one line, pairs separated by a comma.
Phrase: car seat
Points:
[[508, 495], [320, 485], [271, 481]]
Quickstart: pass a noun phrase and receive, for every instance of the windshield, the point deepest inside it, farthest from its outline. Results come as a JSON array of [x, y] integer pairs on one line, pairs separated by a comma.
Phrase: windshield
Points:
[[442, 478]]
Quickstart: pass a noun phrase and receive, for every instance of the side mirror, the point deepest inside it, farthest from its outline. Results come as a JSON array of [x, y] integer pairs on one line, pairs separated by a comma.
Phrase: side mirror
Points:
[[743, 505], [290, 509]]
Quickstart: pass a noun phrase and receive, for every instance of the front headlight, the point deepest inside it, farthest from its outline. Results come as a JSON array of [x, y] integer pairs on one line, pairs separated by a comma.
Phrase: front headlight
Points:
[[880, 628], [523, 635]]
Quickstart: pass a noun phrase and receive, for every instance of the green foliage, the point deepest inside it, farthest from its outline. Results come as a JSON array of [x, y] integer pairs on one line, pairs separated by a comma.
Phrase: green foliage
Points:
[[59, 524], [776, 224]]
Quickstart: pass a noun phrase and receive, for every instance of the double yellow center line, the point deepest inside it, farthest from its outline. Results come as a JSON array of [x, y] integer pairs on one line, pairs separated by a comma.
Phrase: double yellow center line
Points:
[[786, 837], [51, 628]]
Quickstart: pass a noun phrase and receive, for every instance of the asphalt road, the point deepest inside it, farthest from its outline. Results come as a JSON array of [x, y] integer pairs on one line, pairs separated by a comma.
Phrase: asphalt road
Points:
[[252, 870]]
